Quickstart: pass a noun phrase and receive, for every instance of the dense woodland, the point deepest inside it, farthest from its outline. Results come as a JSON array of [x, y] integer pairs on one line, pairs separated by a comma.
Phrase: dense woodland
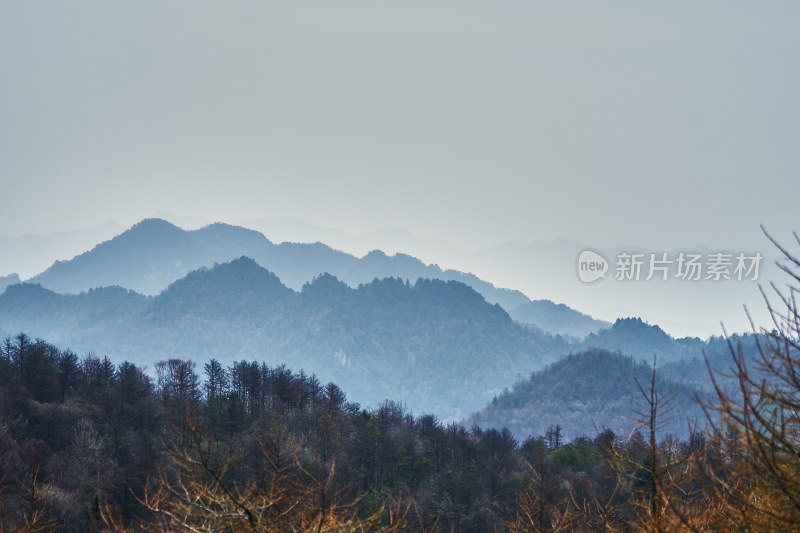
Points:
[[596, 387], [420, 343], [581, 390], [86, 445], [89, 443]]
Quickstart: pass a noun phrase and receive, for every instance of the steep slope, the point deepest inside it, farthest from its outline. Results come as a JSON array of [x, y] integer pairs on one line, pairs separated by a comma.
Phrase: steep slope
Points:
[[557, 318], [424, 344]]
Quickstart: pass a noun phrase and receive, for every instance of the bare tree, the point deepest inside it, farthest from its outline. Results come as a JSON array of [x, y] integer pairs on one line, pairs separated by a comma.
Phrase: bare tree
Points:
[[753, 473], [206, 487]]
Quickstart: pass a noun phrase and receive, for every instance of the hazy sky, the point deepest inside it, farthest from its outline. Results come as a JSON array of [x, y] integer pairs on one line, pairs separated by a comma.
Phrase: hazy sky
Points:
[[612, 123]]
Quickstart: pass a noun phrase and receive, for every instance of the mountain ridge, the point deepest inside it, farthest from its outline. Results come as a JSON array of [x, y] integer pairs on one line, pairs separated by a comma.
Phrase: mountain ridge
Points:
[[153, 253], [420, 343]]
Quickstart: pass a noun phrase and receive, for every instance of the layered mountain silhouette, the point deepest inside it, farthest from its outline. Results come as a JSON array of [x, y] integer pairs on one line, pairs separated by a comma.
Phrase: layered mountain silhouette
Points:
[[642, 340], [5, 281], [447, 343], [153, 253], [436, 345], [149, 256], [558, 319], [597, 385]]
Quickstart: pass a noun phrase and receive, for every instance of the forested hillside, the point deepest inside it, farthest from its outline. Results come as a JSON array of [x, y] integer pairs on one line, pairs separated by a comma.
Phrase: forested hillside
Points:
[[422, 344], [583, 393], [641, 340], [87, 445]]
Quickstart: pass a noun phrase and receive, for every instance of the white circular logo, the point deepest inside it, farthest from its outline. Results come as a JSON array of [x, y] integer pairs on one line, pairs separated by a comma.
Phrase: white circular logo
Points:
[[591, 266]]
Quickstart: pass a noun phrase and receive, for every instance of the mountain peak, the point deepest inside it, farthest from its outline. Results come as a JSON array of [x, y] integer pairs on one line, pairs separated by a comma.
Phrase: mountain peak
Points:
[[325, 286], [243, 262], [221, 230], [150, 255], [375, 254], [153, 225], [11, 279], [231, 287], [154, 253], [636, 324], [147, 232], [242, 272]]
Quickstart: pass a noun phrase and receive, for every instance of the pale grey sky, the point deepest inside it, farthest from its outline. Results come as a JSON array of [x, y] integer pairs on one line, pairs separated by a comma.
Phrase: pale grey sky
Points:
[[611, 123], [479, 122]]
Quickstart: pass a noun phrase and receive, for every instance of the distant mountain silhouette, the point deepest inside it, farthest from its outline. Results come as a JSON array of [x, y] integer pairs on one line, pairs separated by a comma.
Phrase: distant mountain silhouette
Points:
[[30, 254], [153, 253], [641, 340], [70, 317], [5, 281], [557, 318], [436, 345], [424, 343], [149, 256]]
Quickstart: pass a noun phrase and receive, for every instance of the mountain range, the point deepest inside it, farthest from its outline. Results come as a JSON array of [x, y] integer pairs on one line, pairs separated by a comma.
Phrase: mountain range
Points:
[[425, 344], [157, 291], [153, 253], [436, 345], [544, 270]]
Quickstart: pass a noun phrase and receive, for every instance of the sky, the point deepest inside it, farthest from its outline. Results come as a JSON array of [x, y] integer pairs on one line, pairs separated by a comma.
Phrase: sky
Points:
[[620, 123]]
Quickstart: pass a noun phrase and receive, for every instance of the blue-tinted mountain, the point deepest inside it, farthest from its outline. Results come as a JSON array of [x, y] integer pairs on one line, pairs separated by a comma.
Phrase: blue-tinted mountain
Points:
[[557, 318], [593, 388], [153, 253], [5, 281], [597, 384], [149, 256], [70, 317], [229, 288], [436, 345], [634, 337]]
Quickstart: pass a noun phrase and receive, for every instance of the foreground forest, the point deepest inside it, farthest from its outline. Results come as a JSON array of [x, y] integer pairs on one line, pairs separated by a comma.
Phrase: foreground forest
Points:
[[91, 444], [86, 445]]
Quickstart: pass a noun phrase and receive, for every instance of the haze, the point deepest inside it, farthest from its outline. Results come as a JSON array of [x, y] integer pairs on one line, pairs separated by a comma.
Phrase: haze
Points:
[[613, 124]]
